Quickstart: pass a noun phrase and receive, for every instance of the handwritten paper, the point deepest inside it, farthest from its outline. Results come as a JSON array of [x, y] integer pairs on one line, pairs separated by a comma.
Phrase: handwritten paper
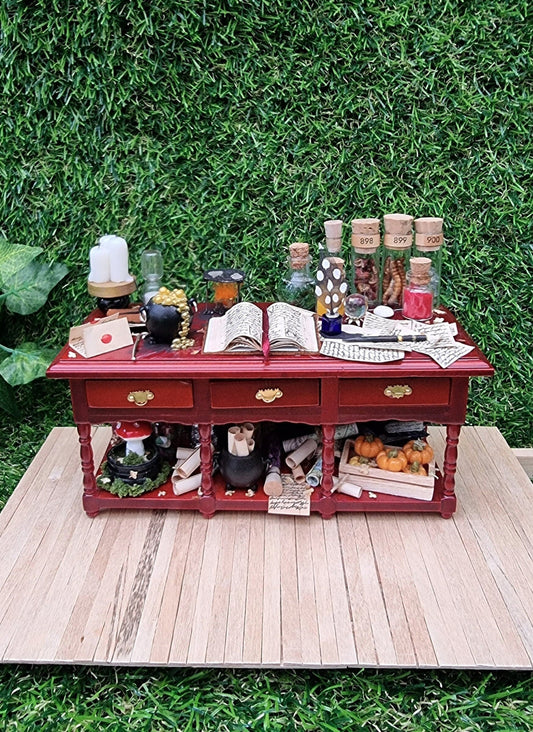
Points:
[[444, 356], [294, 501], [439, 334], [357, 352]]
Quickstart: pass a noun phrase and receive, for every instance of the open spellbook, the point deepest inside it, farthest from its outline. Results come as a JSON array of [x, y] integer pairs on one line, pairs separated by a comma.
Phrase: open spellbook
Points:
[[289, 328]]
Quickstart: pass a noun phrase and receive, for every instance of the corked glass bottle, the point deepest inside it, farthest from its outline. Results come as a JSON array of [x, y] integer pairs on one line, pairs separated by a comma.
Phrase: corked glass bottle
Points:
[[298, 286], [428, 243], [397, 243], [418, 292], [366, 259]]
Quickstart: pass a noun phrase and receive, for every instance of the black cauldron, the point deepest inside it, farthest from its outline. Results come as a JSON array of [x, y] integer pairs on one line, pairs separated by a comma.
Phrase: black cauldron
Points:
[[133, 474], [163, 322], [241, 471]]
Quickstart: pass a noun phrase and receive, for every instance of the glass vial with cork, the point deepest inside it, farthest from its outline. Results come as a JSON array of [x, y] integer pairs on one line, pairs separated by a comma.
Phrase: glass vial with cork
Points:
[[298, 286], [397, 243], [366, 259], [428, 243], [331, 285], [418, 292]]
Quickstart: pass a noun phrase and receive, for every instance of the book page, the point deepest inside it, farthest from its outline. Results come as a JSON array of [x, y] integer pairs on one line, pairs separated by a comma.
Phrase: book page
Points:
[[291, 328], [241, 328]]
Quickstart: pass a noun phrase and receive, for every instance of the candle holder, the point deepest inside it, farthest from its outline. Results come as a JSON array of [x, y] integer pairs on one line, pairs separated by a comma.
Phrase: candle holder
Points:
[[109, 278], [225, 285], [112, 295]]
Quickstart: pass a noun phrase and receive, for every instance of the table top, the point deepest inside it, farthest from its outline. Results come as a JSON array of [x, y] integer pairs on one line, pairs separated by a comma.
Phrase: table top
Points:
[[159, 361]]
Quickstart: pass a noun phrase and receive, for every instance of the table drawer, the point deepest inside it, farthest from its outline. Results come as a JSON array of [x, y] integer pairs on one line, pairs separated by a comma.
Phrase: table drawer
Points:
[[380, 392], [258, 392], [136, 393]]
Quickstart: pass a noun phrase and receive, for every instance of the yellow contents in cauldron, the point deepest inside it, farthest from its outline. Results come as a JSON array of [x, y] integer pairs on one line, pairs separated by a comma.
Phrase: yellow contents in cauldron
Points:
[[170, 297]]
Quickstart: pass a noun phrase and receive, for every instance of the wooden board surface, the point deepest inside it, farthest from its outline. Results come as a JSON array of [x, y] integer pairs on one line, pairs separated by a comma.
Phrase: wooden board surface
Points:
[[248, 589]]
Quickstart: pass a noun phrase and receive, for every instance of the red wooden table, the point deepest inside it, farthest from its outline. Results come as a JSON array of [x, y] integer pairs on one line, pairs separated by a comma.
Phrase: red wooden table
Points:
[[190, 387]]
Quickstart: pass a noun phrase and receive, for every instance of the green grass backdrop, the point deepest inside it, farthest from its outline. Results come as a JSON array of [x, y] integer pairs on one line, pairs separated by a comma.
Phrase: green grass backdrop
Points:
[[220, 132]]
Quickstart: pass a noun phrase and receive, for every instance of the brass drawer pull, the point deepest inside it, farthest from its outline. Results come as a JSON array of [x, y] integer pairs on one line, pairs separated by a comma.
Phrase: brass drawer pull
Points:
[[398, 391], [268, 395], [141, 398]]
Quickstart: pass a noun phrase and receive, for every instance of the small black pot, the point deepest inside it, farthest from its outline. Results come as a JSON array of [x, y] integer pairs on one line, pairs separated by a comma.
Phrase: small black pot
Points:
[[241, 471], [147, 469]]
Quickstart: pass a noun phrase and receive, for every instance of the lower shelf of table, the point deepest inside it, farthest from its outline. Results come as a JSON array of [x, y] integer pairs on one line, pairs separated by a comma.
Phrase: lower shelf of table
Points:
[[163, 498]]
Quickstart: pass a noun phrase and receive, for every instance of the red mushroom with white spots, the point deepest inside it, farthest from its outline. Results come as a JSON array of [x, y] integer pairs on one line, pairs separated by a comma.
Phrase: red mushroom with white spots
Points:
[[133, 433]]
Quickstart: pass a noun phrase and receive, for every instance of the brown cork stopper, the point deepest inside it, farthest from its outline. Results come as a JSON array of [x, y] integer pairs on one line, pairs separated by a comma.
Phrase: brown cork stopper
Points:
[[365, 226], [420, 274], [428, 236], [398, 231], [365, 235], [299, 254], [333, 229]]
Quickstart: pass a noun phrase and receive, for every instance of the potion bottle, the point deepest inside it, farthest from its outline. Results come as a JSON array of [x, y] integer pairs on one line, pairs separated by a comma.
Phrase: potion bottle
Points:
[[397, 243], [429, 242], [418, 292], [297, 286], [366, 263]]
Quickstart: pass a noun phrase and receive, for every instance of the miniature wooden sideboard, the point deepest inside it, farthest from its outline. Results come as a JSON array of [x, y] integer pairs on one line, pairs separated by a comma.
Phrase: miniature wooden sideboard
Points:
[[189, 387]]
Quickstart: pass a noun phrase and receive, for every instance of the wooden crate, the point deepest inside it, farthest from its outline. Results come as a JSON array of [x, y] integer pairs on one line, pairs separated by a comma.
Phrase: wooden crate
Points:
[[377, 480]]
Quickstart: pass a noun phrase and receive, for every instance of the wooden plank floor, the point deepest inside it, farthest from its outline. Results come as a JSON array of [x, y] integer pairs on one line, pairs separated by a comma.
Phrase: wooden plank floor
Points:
[[170, 588]]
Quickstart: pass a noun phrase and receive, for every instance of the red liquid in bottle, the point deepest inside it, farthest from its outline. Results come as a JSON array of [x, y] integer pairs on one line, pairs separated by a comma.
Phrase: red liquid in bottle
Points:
[[417, 303]]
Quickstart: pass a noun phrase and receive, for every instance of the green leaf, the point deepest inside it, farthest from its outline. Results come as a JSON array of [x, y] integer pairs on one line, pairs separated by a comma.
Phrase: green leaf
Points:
[[7, 399], [13, 258], [28, 289], [26, 363]]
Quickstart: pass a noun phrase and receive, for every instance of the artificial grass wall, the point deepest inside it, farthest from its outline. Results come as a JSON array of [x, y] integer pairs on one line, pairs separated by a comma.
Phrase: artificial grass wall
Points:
[[222, 131]]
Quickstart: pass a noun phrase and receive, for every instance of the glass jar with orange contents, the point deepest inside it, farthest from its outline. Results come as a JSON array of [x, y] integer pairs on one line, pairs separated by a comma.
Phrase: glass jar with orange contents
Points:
[[225, 284]]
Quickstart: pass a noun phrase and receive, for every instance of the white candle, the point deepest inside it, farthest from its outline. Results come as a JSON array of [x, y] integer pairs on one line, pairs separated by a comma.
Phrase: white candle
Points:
[[117, 248], [99, 261]]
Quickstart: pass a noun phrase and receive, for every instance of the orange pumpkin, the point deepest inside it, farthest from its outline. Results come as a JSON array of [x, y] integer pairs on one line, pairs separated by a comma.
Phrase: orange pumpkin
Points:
[[367, 445], [392, 459], [418, 451], [415, 469]]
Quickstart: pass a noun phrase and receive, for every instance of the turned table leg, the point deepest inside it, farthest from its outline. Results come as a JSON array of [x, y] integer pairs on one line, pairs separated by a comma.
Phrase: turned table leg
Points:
[[87, 468], [449, 500], [327, 502], [207, 503]]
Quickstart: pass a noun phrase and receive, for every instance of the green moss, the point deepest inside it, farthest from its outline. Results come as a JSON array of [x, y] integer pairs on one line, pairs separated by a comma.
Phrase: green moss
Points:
[[120, 488]]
